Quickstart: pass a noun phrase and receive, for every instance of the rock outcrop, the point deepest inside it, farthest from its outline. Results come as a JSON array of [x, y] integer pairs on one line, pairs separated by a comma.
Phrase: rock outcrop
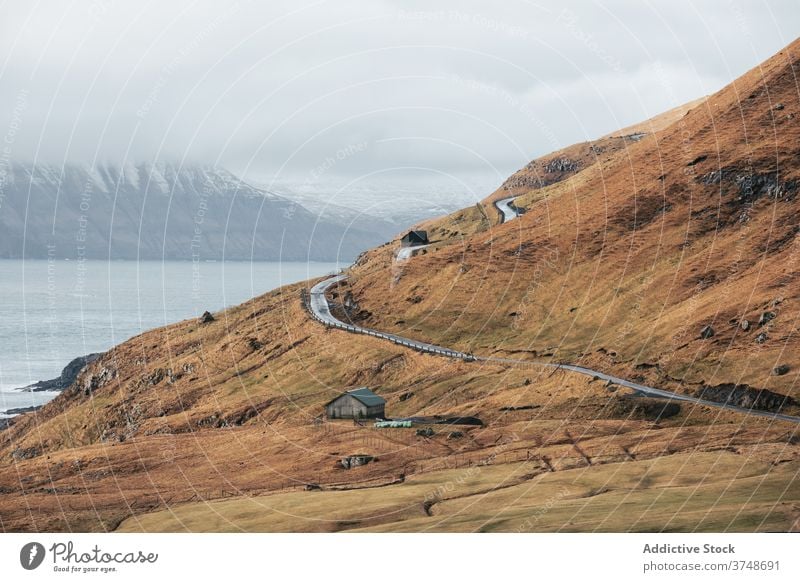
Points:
[[356, 461], [98, 379], [68, 375], [745, 396], [749, 186]]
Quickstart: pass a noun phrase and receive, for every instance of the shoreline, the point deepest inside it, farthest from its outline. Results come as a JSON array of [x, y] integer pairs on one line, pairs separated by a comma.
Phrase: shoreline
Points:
[[35, 402]]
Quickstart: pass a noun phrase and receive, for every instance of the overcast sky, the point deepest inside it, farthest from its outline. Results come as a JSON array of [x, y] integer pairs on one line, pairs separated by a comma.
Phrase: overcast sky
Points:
[[308, 88]]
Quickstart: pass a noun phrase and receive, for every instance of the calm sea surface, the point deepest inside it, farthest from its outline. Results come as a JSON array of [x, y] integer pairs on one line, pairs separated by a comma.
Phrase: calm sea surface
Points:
[[52, 312]]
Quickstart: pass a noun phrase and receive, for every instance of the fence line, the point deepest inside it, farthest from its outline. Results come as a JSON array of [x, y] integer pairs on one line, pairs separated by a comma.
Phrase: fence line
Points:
[[416, 467]]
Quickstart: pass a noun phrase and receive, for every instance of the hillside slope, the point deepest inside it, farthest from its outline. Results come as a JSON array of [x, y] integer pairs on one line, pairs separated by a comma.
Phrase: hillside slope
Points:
[[627, 260]]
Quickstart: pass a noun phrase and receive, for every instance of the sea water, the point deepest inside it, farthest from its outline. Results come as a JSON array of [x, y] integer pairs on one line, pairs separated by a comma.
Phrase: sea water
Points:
[[54, 311]]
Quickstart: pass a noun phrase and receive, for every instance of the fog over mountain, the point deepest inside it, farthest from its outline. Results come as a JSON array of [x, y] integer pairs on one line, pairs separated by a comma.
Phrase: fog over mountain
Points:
[[402, 198], [400, 110], [283, 87], [164, 211]]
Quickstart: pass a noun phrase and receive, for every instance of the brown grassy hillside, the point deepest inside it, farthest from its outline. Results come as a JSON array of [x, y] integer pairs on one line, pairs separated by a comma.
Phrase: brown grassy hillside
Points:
[[690, 226], [619, 262], [550, 169]]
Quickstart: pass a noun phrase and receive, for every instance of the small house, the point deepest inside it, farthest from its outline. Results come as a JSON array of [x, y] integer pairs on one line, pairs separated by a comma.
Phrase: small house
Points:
[[414, 238], [358, 403]]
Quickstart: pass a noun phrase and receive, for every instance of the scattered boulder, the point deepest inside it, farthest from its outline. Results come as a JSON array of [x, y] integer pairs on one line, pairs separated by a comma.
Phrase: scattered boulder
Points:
[[425, 432], [748, 186], [707, 332], [405, 396], [561, 165], [213, 421], [155, 376], [356, 461], [778, 107], [697, 160], [456, 434], [94, 381], [312, 487], [762, 337], [744, 324], [348, 302], [765, 318], [780, 370], [645, 366], [27, 453], [206, 317], [635, 136]]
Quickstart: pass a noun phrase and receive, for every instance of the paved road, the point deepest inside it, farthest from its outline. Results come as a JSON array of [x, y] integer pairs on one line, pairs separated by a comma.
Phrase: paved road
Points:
[[320, 310], [641, 388], [506, 209], [406, 253], [319, 304]]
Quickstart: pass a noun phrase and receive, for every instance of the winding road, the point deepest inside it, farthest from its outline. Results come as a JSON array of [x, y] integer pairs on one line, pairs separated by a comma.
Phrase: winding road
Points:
[[319, 309], [506, 208], [406, 253]]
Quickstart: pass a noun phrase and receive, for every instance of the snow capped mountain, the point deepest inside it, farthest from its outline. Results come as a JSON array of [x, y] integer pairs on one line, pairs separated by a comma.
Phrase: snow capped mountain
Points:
[[155, 211], [160, 178]]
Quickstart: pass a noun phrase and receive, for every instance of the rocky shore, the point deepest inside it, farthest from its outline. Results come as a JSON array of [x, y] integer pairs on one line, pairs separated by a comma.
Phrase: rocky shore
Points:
[[65, 380]]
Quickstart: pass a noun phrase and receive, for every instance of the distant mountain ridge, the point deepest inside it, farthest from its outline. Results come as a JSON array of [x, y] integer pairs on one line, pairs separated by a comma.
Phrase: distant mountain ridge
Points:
[[400, 199], [165, 211]]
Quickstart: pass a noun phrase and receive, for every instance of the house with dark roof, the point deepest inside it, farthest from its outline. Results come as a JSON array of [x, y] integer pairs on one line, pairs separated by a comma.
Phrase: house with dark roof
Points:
[[414, 238], [357, 403]]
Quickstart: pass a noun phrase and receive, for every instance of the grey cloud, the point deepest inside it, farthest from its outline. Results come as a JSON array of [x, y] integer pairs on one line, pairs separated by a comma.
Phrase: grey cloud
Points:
[[454, 86]]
